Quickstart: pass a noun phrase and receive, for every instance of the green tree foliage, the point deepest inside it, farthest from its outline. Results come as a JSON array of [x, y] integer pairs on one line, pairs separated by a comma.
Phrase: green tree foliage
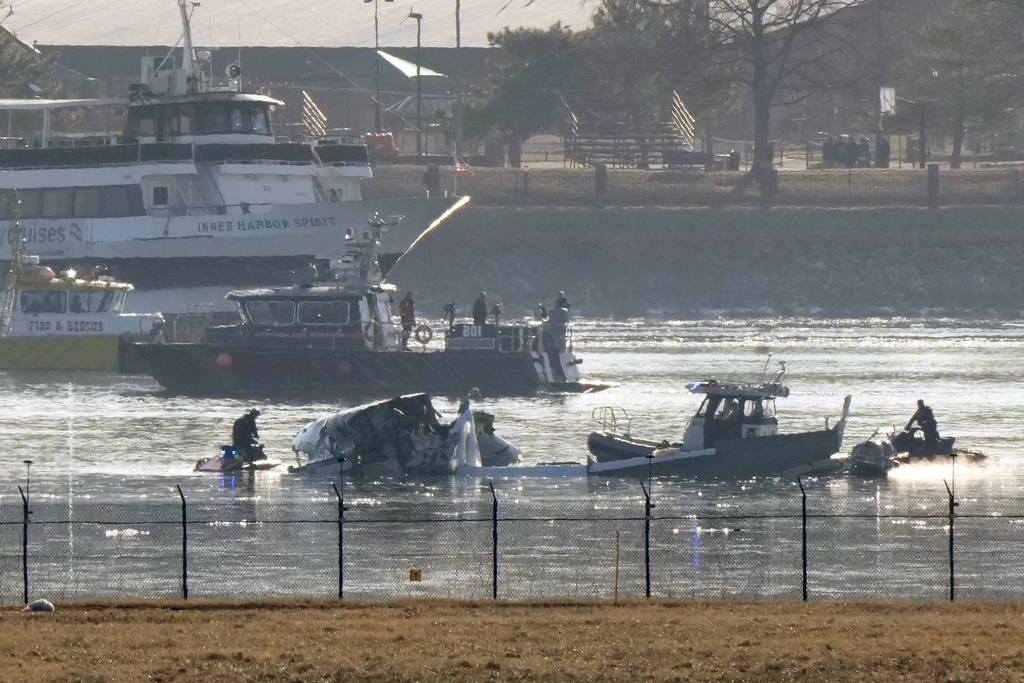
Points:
[[967, 67], [523, 97], [638, 52], [22, 67]]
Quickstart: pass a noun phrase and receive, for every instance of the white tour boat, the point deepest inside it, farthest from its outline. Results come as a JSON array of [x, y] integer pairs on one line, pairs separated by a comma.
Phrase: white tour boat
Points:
[[197, 196]]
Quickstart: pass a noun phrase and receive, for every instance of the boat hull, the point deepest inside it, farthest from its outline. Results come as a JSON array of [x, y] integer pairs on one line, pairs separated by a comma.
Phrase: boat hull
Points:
[[166, 258], [207, 369], [607, 447], [60, 353], [779, 454]]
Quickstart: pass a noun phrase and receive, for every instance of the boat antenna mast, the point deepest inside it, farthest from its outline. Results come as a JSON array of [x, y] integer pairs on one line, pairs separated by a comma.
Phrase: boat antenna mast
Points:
[[189, 59], [764, 372]]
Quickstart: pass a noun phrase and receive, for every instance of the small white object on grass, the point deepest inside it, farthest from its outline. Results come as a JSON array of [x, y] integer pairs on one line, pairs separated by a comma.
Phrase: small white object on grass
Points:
[[39, 606]]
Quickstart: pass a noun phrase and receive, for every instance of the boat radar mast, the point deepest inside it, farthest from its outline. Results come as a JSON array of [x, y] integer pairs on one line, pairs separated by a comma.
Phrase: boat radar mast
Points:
[[187, 80], [188, 59]]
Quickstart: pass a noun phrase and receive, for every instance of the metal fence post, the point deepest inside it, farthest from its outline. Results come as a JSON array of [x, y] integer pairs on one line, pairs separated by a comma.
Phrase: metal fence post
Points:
[[648, 506], [803, 496], [952, 516], [24, 539], [184, 545], [494, 542], [341, 537]]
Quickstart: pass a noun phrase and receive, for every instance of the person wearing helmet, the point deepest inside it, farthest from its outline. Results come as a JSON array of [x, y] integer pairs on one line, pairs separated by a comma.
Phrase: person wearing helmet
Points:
[[245, 437], [480, 309]]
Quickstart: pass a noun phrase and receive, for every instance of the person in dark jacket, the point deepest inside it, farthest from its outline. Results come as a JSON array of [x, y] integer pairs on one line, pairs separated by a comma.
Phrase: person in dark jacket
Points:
[[480, 309], [245, 436], [925, 419], [407, 311]]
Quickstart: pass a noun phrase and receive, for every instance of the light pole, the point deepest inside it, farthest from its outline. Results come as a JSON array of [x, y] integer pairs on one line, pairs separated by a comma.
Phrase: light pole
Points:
[[419, 25], [458, 82], [28, 480], [376, 63]]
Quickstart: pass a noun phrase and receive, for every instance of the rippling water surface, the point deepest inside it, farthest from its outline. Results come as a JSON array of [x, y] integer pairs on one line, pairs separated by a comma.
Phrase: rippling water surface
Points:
[[108, 437], [101, 438]]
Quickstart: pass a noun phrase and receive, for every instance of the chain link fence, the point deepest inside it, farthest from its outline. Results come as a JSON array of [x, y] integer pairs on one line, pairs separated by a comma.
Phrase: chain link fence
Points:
[[812, 546]]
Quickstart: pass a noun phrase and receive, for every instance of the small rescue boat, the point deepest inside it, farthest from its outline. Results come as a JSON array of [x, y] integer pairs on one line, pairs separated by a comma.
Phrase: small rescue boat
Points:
[[67, 322]]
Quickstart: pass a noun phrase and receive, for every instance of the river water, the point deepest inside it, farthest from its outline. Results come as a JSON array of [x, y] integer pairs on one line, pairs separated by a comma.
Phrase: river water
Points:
[[113, 436], [96, 438]]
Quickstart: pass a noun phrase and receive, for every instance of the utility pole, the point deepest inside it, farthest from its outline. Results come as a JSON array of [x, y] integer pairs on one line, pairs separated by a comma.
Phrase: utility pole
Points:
[[419, 94]]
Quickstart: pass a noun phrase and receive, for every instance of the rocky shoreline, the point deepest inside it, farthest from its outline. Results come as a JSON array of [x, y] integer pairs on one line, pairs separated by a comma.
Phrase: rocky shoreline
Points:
[[685, 262]]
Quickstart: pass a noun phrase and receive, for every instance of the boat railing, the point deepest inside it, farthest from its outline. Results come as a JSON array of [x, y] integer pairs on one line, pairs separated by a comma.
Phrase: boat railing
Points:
[[190, 324], [512, 339], [610, 419]]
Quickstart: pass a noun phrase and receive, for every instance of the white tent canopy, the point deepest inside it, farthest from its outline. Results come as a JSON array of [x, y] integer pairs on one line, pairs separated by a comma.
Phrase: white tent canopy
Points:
[[407, 68]]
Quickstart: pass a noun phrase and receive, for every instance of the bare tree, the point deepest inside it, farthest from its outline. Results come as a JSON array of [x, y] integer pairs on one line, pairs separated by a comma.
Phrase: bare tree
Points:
[[780, 50]]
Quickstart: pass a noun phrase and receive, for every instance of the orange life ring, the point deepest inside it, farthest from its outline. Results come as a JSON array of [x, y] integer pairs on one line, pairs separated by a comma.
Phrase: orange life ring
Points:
[[424, 334]]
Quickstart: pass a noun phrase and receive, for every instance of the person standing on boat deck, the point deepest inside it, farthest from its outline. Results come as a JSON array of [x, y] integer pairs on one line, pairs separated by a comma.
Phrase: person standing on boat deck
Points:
[[562, 302], [480, 309], [407, 311], [244, 435], [558, 321], [925, 419], [449, 315]]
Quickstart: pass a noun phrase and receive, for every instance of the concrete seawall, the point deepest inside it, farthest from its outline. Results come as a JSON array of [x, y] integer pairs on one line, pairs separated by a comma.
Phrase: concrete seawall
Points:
[[625, 262]]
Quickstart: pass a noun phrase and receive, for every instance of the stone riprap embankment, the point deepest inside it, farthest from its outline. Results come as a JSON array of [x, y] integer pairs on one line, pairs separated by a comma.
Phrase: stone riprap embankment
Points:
[[626, 262]]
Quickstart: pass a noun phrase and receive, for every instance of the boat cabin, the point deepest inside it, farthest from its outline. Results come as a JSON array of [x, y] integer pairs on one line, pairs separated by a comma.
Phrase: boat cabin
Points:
[[41, 303], [318, 316], [732, 411]]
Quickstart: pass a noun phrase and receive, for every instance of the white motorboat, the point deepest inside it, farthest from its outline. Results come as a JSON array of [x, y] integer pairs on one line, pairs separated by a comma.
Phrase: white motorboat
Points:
[[196, 192], [734, 433]]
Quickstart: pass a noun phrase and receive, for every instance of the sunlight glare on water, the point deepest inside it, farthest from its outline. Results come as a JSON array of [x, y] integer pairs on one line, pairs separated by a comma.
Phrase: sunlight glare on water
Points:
[[112, 437]]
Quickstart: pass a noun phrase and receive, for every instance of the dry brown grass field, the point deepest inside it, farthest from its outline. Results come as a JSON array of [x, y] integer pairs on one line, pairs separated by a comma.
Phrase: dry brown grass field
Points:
[[313, 641]]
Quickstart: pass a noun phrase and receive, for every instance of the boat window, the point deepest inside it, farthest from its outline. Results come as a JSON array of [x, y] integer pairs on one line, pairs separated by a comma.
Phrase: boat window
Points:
[[271, 312], [30, 203], [90, 302], [116, 200], [147, 126], [56, 202], [769, 408], [184, 124], [213, 120], [260, 122], [160, 197], [43, 302], [323, 312], [87, 202], [236, 122], [703, 410], [727, 409]]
